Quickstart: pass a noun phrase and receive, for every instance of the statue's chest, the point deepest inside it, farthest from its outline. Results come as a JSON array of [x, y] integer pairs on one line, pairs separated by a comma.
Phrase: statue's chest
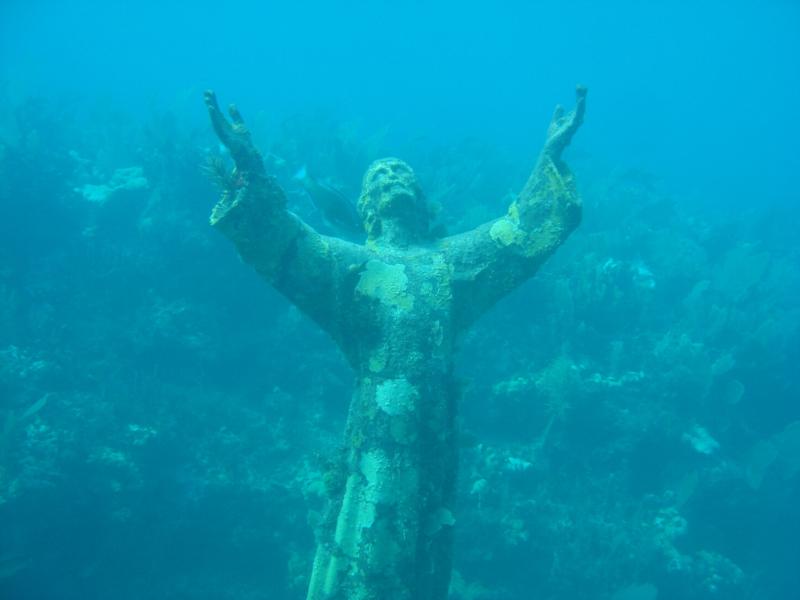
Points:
[[402, 303]]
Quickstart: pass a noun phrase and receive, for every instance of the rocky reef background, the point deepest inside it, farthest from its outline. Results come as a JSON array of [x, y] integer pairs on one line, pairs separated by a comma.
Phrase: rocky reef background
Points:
[[630, 418], [169, 422]]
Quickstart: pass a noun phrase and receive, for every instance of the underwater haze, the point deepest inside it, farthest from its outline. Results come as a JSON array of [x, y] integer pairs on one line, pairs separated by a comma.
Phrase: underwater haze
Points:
[[628, 419]]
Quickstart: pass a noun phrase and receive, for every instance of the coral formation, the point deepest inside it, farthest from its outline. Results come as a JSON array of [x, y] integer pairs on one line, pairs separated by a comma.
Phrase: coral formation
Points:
[[128, 179]]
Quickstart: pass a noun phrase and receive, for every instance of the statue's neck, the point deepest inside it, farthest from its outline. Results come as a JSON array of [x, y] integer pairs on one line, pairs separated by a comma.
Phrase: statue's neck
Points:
[[395, 234]]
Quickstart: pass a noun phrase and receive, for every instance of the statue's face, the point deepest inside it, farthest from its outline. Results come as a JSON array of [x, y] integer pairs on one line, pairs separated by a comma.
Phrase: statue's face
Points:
[[392, 204]]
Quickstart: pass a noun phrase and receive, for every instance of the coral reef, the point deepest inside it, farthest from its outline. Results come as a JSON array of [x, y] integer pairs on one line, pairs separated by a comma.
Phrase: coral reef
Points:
[[168, 422]]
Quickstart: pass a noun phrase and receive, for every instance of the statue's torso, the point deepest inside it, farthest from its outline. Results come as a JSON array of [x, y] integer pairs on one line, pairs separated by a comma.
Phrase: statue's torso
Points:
[[401, 317], [396, 514]]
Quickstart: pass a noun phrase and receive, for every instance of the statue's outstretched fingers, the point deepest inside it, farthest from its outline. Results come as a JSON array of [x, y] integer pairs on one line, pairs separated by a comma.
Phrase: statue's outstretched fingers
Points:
[[218, 121], [580, 102], [234, 136], [575, 117], [211, 100], [563, 127], [236, 116]]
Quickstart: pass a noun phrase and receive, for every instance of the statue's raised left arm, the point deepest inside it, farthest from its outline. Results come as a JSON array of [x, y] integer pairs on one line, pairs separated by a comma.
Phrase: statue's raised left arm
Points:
[[494, 258]]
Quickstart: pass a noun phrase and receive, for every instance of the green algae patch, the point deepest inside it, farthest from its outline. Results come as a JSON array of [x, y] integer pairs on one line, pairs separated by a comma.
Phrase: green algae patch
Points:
[[377, 362], [387, 482], [505, 232], [387, 284], [376, 469], [396, 396]]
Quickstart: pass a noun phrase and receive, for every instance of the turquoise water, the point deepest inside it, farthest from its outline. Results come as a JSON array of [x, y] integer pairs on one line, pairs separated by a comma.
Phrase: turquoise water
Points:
[[629, 420]]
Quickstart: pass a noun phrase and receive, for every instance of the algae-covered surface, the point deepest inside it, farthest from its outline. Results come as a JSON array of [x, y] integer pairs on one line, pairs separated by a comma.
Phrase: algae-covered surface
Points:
[[627, 424]]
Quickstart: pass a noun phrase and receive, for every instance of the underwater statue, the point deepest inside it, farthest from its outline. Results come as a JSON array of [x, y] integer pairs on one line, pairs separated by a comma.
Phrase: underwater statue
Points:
[[396, 306]]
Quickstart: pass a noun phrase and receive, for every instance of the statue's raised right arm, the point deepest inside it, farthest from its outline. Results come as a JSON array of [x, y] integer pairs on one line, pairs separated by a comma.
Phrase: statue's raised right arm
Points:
[[496, 257], [309, 268]]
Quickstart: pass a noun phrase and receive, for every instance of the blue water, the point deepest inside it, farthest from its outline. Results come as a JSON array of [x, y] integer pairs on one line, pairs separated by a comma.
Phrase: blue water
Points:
[[630, 416]]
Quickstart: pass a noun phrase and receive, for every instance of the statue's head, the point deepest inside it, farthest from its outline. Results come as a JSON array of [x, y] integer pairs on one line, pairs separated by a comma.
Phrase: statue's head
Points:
[[392, 205]]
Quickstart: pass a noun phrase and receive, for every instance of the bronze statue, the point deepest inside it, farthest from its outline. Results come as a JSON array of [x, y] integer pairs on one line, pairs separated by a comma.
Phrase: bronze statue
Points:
[[396, 306]]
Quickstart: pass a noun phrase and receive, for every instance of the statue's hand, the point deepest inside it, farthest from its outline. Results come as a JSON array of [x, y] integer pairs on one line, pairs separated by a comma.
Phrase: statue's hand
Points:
[[563, 127], [235, 137]]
